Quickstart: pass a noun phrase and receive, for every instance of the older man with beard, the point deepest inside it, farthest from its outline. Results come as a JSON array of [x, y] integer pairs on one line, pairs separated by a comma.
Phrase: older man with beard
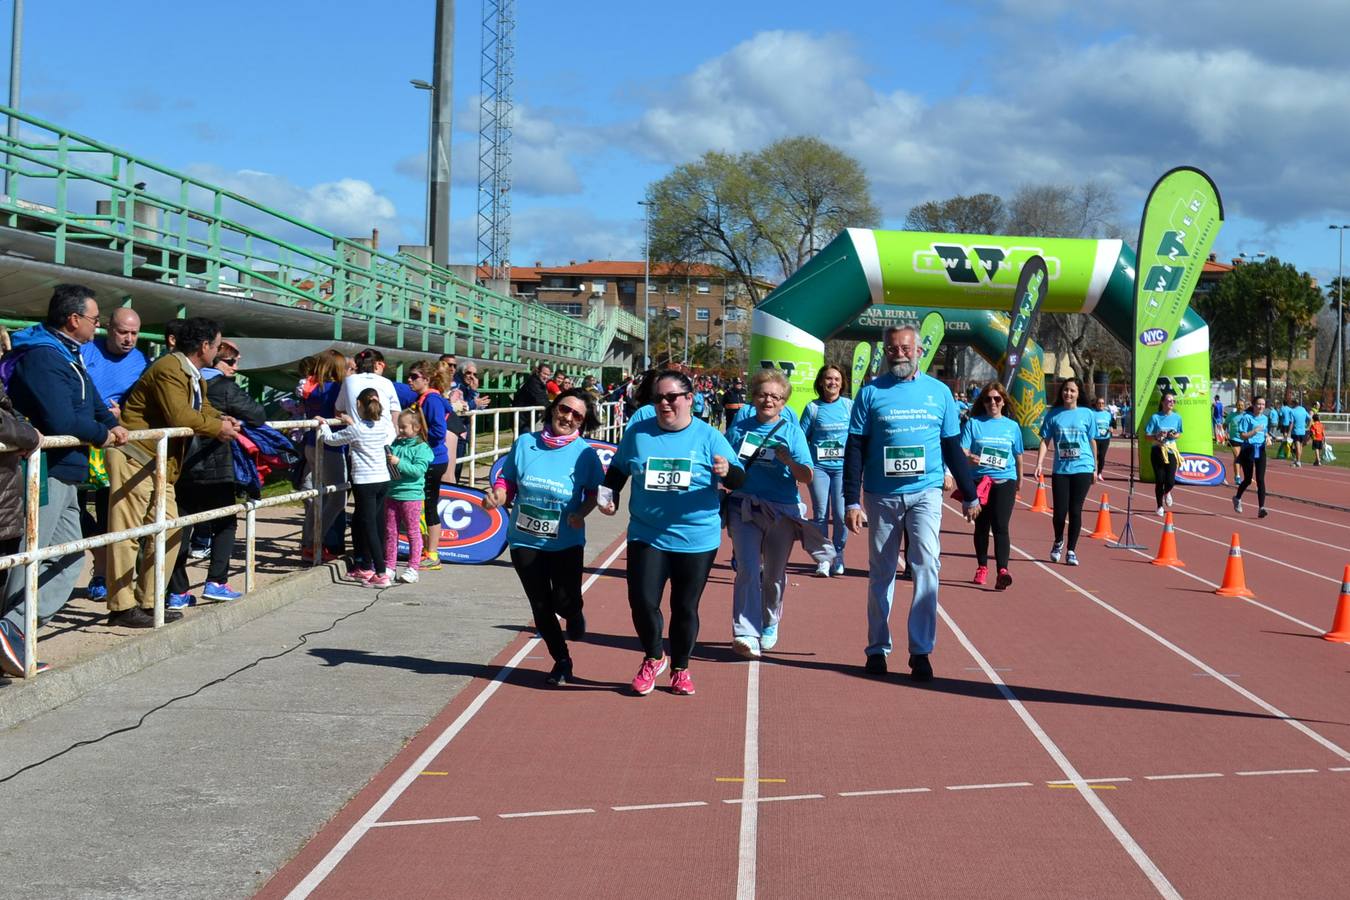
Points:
[[903, 429]]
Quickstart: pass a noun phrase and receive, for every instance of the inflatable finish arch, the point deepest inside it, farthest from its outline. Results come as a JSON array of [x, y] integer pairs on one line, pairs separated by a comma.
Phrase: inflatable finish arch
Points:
[[862, 268]]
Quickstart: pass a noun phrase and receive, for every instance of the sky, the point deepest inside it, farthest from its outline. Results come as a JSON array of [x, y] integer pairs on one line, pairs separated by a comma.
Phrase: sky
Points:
[[306, 106]]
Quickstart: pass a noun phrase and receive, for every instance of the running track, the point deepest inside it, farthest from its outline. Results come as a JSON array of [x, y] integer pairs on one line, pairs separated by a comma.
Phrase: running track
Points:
[[1110, 730]]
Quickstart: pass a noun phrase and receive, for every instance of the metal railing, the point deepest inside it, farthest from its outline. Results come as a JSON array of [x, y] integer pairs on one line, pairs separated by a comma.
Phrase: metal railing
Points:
[[175, 228]]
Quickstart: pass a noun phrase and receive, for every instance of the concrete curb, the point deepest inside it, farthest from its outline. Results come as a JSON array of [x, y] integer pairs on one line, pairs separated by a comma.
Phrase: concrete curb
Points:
[[25, 699]]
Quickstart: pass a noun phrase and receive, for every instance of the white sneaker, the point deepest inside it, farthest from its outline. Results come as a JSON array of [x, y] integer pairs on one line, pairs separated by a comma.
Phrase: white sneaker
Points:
[[1056, 551], [746, 647], [1168, 499], [408, 576], [1072, 559], [823, 570], [838, 568], [1161, 512]]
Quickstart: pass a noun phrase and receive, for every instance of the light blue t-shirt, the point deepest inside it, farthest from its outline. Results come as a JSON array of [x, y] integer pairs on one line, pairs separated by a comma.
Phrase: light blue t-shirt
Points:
[[1102, 418], [768, 478], [1158, 423], [904, 423], [1286, 415], [112, 375], [642, 413], [1071, 430], [1246, 422], [826, 429], [1273, 417], [998, 444], [1300, 418], [674, 504], [550, 484]]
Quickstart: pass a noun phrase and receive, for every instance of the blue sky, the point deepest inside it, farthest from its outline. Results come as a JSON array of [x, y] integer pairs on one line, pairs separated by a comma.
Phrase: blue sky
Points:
[[306, 105]]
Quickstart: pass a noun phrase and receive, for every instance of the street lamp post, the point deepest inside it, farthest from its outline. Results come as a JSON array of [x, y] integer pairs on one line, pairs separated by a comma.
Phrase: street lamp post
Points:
[[15, 56], [1340, 309], [646, 284], [431, 137]]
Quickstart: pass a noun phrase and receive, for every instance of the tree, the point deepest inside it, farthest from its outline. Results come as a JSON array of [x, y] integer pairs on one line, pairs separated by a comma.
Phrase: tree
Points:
[[748, 211], [976, 214]]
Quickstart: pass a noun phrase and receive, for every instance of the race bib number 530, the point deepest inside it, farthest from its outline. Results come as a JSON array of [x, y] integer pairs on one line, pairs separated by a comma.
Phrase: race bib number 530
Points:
[[669, 474], [903, 462]]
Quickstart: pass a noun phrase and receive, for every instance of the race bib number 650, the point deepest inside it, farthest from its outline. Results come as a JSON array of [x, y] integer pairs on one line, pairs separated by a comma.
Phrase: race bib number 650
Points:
[[903, 462], [668, 474]]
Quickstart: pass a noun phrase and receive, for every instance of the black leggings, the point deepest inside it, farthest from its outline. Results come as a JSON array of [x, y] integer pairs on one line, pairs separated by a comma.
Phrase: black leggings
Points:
[[648, 571], [368, 525], [552, 583], [1069, 492], [1164, 474], [1249, 461], [1103, 444], [195, 498], [995, 515], [431, 489]]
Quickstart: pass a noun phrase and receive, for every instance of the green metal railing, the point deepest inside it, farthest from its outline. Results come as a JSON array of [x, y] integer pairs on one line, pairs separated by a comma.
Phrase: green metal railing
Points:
[[173, 228]]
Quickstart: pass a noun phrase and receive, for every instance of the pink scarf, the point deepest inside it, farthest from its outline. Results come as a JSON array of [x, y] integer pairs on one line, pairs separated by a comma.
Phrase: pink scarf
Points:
[[554, 441]]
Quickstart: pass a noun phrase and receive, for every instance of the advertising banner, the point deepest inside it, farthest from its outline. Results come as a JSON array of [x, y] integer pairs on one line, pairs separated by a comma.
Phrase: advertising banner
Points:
[[1032, 286], [862, 358], [469, 533], [1181, 220], [931, 333]]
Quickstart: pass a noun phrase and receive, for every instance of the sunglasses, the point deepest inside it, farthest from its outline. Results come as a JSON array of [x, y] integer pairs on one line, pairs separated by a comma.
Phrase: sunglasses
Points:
[[571, 411], [994, 398], [670, 398]]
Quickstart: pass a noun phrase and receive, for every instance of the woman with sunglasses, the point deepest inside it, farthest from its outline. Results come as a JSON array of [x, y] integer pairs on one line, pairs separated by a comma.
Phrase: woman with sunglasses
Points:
[[550, 479], [993, 444], [763, 511], [1068, 428], [675, 524], [435, 411]]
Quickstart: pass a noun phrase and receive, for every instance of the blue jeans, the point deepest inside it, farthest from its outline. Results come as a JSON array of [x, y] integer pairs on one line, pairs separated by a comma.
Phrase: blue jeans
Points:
[[761, 569], [827, 500], [919, 514]]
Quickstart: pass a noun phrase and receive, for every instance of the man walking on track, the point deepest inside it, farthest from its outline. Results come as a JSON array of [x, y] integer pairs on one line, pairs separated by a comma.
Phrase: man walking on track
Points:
[[904, 428]]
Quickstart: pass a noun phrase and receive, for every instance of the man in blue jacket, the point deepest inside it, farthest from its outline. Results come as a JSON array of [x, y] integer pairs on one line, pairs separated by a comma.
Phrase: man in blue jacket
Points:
[[49, 384]]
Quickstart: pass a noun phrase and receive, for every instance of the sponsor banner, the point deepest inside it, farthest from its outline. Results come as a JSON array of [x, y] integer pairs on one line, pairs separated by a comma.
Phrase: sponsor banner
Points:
[[470, 534], [1181, 220], [1032, 286], [931, 333], [862, 360], [1200, 470], [777, 344]]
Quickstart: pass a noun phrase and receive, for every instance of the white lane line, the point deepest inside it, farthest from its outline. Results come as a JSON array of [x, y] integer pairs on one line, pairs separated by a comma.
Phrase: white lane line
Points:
[[393, 824], [1280, 772], [746, 855], [986, 787], [745, 803], [1247, 523], [1245, 552], [1113, 825], [545, 812], [885, 791], [642, 806], [1340, 769], [1094, 781], [345, 844], [1193, 660], [1183, 776]]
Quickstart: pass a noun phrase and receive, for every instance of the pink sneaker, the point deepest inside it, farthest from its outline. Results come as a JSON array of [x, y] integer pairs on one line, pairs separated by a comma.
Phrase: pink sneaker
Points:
[[981, 575], [379, 581], [681, 682], [646, 676], [360, 576]]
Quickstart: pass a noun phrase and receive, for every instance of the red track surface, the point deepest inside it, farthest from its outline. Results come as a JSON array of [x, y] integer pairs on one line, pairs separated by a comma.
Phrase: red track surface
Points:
[[1222, 725]]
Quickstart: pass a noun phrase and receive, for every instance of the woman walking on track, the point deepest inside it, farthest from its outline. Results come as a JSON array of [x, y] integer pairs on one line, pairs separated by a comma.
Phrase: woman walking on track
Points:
[[1164, 426], [408, 459], [674, 525], [1101, 434], [993, 443], [1069, 429], [552, 476], [368, 437], [825, 424], [1253, 430], [763, 512]]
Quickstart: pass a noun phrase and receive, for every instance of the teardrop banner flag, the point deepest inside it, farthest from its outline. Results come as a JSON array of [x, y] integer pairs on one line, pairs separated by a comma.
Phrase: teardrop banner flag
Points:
[[1181, 219], [1032, 285], [862, 358], [931, 333], [877, 355]]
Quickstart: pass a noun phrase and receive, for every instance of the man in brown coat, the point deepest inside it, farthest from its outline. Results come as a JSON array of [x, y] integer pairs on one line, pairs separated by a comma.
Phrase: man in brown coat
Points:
[[168, 395]]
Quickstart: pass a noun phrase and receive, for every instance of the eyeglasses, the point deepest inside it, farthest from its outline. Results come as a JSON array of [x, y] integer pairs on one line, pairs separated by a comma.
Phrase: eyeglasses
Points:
[[669, 398], [229, 362], [571, 411], [774, 397], [97, 320]]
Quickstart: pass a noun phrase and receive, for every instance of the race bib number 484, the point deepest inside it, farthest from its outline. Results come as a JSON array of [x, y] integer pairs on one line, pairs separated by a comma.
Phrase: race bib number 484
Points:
[[668, 474], [994, 457], [903, 462]]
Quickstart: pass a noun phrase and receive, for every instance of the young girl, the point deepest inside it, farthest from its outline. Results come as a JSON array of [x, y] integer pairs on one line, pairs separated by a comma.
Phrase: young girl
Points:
[[408, 460], [368, 437]]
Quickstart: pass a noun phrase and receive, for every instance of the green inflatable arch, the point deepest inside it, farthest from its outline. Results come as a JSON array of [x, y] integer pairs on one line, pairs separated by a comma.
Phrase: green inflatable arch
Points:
[[971, 279]]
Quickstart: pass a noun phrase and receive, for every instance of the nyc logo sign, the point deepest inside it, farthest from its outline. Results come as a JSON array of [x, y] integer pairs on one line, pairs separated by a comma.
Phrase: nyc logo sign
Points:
[[973, 266], [1153, 337], [1200, 470], [469, 533]]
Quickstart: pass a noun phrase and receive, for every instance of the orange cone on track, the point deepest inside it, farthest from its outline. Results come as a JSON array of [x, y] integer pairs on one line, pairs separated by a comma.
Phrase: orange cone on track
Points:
[[1167, 547], [1234, 579], [1340, 626], [1038, 503], [1103, 530]]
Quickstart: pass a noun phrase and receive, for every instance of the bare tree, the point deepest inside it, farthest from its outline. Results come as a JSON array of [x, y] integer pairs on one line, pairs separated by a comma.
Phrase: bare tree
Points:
[[976, 214]]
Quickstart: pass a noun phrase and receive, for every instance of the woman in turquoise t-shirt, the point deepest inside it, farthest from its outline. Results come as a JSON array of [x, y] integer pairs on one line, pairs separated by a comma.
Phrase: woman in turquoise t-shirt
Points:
[[1068, 428], [552, 476], [1101, 417], [1164, 426], [674, 522], [1253, 430], [993, 444], [825, 424]]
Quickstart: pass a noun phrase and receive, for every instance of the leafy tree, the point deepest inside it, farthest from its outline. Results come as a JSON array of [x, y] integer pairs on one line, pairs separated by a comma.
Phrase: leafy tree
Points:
[[976, 214], [753, 212]]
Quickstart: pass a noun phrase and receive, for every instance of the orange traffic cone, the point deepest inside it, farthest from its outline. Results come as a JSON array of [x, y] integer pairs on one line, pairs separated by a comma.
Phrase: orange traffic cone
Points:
[[1234, 579], [1167, 547], [1038, 503], [1340, 626], [1103, 530]]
